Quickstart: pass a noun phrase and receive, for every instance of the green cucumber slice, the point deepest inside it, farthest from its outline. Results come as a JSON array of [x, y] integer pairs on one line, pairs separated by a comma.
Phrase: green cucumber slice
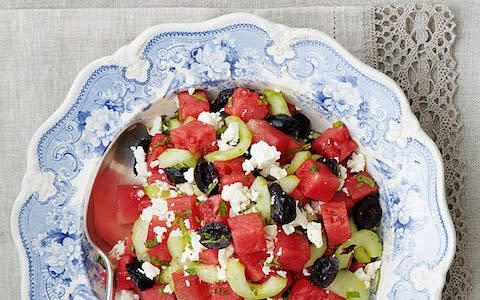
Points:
[[364, 238], [155, 191], [206, 273], [315, 156], [172, 124], [361, 255], [139, 237], [176, 245], [245, 139], [298, 160], [353, 226], [346, 283], [177, 158], [239, 284], [277, 102], [263, 203], [288, 183], [344, 260], [316, 253]]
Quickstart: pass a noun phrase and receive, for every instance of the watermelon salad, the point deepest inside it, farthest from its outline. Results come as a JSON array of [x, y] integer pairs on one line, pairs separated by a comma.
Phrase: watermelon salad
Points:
[[241, 199]]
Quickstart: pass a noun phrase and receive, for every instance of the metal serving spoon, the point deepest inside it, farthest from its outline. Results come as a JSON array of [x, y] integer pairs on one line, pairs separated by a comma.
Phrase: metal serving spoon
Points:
[[116, 168]]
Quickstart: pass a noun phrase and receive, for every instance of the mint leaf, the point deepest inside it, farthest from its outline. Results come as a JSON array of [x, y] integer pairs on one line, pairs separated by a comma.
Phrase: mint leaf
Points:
[[200, 97], [191, 271], [151, 244], [362, 179], [337, 124], [353, 294], [314, 169], [223, 209]]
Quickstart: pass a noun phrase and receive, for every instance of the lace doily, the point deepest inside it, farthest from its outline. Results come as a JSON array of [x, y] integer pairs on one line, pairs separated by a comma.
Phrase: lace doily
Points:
[[413, 45]]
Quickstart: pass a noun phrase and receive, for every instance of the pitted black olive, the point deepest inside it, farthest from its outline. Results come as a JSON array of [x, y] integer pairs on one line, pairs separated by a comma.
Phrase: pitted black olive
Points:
[[138, 276], [215, 235], [175, 176], [284, 123], [331, 163], [367, 213], [284, 207], [145, 144], [206, 177], [324, 271], [221, 100], [304, 127]]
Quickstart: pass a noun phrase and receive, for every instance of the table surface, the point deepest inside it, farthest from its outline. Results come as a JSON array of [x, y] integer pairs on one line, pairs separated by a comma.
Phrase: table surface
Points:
[[20, 118]]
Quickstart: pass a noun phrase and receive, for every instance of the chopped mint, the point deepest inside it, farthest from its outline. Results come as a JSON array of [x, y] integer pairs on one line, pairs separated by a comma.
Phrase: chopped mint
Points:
[[191, 271], [200, 97], [151, 244], [314, 169], [362, 179], [353, 294], [223, 209], [337, 124]]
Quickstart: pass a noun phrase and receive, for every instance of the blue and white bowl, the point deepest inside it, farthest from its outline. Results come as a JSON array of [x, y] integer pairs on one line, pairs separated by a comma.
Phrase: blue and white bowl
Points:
[[318, 74]]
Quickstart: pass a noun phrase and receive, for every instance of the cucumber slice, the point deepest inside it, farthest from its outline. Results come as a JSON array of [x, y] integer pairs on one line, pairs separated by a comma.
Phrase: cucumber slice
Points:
[[361, 255], [177, 158], [155, 191], [298, 160], [277, 102], [206, 273], [263, 205], [344, 260], [315, 156], [239, 284], [346, 284], [166, 275], [353, 226], [245, 139], [288, 183], [173, 123], [364, 238], [139, 237], [316, 253], [176, 245]]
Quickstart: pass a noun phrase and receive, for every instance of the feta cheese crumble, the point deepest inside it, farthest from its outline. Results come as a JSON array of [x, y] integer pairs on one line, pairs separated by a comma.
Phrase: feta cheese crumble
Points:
[[239, 197], [150, 270], [117, 250], [168, 289], [127, 295], [211, 118], [300, 220], [158, 208], [356, 163], [314, 233], [305, 272], [156, 126], [159, 231], [223, 255], [141, 165], [192, 252], [282, 274], [186, 188], [264, 157], [368, 273], [188, 174], [342, 176], [229, 138]]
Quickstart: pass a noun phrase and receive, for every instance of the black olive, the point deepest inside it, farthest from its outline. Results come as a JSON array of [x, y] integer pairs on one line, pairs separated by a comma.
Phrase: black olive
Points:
[[206, 177], [284, 123], [324, 271], [145, 144], [138, 276], [175, 176], [284, 207], [331, 163], [304, 127], [367, 213], [221, 100], [215, 235]]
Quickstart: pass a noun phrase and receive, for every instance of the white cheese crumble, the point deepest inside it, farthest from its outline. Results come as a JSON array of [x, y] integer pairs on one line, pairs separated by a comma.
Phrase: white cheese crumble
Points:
[[127, 295], [141, 165], [266, 269], [211, 118], [155, 163], [117, 250], [187, 223], [223, 255], [170, 218], [280, 251], [150, 270], [282, 274], [344, 189], [192, 253], [288, 229], [264, 157], [229, 138], [168, 289], [156, 126], [300, 220], [368, 273], [317, 207], [158, 208], [239, 197], [356, 163], [314, 233], [305, 272], [187, 283], [202, 198], [270, 232], [191, 91], [188, 174], [342, 176], [159, 232], [186, 188]]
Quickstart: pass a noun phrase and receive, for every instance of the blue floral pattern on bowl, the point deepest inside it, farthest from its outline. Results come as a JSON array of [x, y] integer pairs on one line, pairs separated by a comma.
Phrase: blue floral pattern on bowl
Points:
[[320, 76]]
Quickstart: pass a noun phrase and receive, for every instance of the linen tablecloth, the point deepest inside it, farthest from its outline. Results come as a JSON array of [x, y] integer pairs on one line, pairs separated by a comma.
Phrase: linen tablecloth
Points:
[[45, 44]]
